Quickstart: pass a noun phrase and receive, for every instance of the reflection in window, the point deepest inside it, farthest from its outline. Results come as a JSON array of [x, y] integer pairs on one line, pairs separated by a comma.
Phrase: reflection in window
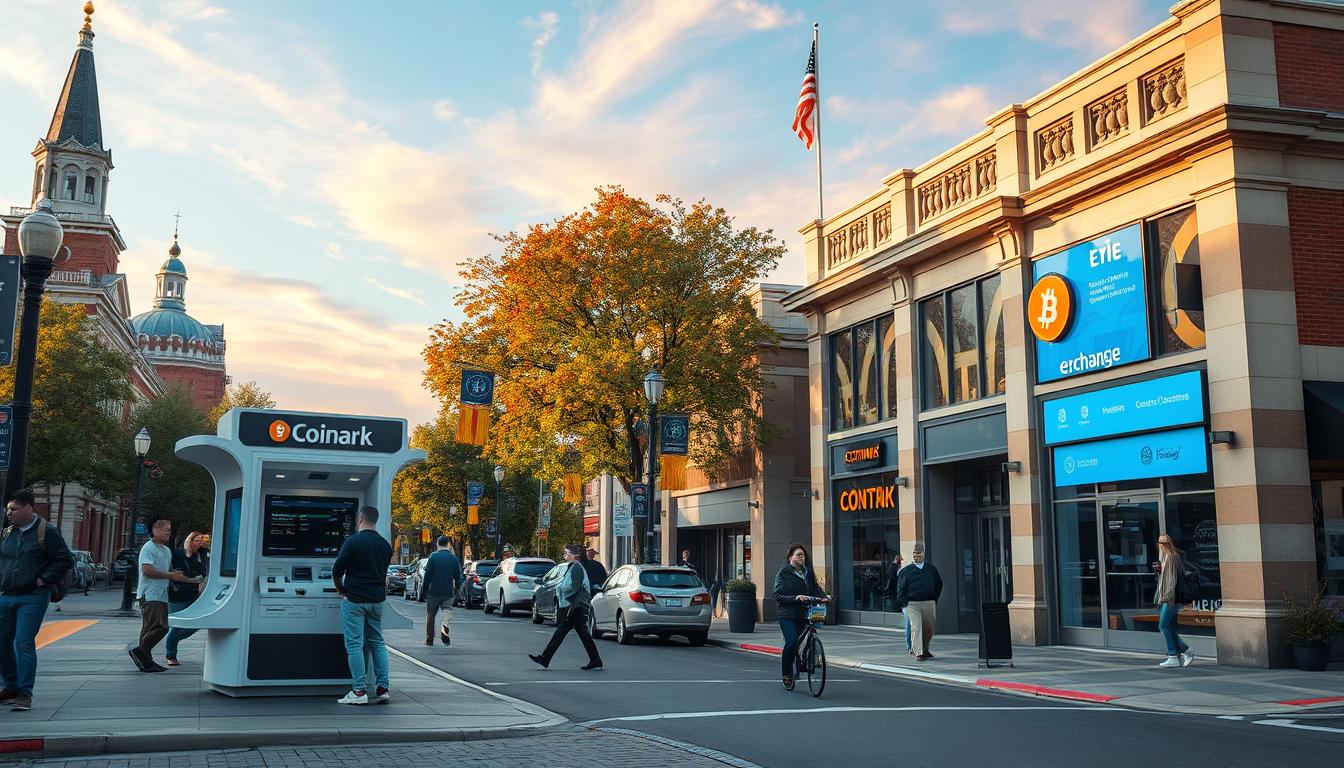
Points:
[[1193, 527], [934, 357], [842, 403], [886, 329], [991, 308], [1180, 322], [1079, 571], [865, 359], [965, 351]]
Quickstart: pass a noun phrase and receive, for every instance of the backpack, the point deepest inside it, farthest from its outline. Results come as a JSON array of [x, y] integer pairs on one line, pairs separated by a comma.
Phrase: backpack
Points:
[[1187, 581], [61, 588]]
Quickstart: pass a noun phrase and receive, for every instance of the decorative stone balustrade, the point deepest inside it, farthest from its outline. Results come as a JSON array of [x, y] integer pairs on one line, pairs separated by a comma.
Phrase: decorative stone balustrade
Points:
[[1164, 91], [854, 238], [1054, 145], [1108, 117]]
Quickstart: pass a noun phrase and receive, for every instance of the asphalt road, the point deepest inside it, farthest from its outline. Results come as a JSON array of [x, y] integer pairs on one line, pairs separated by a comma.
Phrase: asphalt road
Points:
[[732, 702]]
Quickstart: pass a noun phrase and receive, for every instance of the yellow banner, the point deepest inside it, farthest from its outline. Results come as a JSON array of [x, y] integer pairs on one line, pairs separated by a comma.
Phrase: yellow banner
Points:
[[473, 424]]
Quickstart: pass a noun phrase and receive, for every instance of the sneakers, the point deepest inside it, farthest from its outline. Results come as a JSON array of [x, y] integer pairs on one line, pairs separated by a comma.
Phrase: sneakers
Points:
[[359, 698], [1188, 657], [172, 661], [153, 666], [383, 695], [1172, 661], [540, 660], [8, 695], [22, 703], [592, 665], [445, 639], [138, 659]]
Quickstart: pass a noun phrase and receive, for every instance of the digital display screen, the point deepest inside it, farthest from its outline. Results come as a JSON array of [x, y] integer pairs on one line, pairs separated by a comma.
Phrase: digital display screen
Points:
[[233, 515], [307, 526]]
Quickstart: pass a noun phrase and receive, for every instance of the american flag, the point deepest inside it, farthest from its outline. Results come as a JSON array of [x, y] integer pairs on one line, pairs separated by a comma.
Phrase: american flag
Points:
[[804, 117]]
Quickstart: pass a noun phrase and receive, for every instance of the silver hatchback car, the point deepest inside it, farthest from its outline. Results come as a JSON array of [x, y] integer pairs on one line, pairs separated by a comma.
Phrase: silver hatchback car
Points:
[[652, 600]]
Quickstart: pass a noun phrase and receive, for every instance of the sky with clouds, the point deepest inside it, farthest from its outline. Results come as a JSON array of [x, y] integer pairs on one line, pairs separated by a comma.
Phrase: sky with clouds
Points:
[[334, 162]]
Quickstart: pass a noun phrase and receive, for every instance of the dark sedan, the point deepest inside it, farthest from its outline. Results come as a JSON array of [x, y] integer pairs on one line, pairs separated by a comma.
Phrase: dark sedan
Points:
[[123, 562], [472, 593], [396, 579]]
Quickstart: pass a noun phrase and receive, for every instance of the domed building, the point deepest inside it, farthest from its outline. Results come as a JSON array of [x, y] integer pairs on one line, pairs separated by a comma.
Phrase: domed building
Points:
[[182, 349]]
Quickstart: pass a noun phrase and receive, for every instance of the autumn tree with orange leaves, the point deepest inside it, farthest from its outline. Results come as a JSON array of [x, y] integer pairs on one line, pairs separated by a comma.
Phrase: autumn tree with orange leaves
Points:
[[572, 314]]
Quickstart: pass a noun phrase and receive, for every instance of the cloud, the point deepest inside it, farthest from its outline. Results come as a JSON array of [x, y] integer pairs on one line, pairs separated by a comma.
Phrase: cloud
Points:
[[398, 293], [252, 168], [444, 110], [303, 221], [23, 60], [1099, 26], [194, 10], [335, 252], [546, 24]]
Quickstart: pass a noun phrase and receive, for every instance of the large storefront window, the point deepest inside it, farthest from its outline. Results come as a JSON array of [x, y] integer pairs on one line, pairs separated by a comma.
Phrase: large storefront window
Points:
[[863, 374], [962, 343], [868, 537], [1179, 288]]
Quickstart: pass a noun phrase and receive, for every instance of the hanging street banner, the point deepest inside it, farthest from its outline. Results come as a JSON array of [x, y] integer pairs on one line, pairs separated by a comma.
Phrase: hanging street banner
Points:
[[676, 434], [474, 493], [9, 308], [491, 526], [622, 524], [6, 434], [478, 388], [639, 497], [544, 516]]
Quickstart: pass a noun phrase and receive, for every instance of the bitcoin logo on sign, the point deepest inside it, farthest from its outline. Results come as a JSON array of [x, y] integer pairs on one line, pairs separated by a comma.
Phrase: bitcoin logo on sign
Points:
[[279, 430], [1050, 307]]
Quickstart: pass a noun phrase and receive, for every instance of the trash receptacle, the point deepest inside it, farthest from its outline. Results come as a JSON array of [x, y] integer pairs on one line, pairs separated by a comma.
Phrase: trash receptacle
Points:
[[996, 639]]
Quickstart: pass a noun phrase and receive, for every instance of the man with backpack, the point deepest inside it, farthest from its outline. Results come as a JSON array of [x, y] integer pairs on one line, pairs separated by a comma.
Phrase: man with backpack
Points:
[[33, 563], [573, 601]]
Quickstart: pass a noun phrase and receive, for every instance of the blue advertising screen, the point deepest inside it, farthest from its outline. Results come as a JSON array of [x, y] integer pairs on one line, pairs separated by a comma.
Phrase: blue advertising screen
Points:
[[1170, 401], [1157, 454], [1109, 324]]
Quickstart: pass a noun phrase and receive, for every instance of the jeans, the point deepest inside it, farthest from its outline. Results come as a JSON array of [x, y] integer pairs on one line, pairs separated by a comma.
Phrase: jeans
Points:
[[176, 634], [577, 620], [788, 660], [20, 618], [909, 645], [1166, 623], [434, 604], [363, 629]]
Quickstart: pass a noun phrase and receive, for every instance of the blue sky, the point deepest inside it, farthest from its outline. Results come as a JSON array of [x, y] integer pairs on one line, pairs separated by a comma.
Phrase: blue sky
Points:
[[334, 162]]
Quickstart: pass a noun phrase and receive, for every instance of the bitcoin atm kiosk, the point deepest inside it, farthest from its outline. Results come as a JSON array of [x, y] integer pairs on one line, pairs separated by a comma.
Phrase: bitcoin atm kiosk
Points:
[[288, 488]]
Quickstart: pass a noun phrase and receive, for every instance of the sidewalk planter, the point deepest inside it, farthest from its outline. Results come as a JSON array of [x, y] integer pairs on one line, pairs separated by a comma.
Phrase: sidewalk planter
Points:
[[1311, 657], [1310, 625], [741, 605]]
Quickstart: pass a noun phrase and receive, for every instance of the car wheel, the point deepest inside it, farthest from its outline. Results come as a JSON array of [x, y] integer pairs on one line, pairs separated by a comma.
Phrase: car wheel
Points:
[[485, 604], [503, 607], [592, 627], [623, 635], [698, 639], [537, 618]]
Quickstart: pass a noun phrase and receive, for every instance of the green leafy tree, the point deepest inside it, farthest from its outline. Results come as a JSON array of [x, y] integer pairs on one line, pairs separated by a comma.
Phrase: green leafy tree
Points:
[[79, 385], [179, 490], [246, 395]]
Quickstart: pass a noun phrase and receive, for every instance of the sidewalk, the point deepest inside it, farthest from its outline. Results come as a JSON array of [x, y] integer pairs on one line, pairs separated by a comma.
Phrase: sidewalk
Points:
[[1080, 674], [90, 699]]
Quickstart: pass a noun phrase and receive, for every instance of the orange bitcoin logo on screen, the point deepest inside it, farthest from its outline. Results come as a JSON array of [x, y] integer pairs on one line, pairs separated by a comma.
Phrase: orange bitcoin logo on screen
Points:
[[1050, 307]]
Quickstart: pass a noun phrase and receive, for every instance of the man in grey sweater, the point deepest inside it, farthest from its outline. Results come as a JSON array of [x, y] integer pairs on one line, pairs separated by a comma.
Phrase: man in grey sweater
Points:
[[443, 577], [573, 602]]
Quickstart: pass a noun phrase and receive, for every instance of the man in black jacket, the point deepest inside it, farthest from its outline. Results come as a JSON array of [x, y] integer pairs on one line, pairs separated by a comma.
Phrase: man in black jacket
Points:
[[917, 590], [443, 577], [33, 556], [597, 573], [359, 574], [572, 606]]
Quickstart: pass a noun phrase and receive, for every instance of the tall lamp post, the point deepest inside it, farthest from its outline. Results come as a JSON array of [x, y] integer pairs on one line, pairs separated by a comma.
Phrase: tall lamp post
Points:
[[40, 238], [499, 514], [141, 442], [653, 390]]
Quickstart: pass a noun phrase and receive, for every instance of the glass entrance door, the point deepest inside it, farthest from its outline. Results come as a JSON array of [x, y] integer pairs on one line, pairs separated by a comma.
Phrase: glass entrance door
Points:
[[1129, 530], [996, 557]]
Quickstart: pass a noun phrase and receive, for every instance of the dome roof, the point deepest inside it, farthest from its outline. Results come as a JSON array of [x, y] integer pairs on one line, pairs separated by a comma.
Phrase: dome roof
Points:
[[171, 322], [174, 264]]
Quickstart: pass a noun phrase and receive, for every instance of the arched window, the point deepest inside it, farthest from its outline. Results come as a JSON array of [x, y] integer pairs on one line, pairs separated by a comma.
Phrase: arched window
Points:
[[90, 183], [71, 186], [37, 181]]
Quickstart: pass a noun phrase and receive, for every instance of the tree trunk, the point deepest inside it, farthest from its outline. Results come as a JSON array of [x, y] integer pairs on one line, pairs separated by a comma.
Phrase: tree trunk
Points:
[[60, 511]]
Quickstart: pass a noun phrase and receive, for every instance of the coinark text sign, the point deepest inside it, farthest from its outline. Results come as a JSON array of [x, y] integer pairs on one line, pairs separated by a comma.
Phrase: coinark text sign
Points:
[[1089, 306], [1156, 454], [9, 306], [319, 432], [1170, 401]]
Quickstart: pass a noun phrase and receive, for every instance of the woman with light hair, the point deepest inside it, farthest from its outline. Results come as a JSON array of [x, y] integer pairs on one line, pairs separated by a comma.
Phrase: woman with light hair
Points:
[[1171, 560], [193, 559]]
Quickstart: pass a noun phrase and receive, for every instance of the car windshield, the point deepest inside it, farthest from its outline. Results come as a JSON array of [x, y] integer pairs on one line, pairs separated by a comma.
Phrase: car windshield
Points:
[[536, 568], [669, 579], [485, 570]]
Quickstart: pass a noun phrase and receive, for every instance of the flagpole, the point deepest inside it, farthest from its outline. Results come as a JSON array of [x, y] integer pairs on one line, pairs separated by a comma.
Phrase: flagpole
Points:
[[816, 33]]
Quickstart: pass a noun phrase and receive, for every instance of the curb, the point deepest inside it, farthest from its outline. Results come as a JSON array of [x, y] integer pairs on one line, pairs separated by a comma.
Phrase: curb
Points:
[[108, 744]]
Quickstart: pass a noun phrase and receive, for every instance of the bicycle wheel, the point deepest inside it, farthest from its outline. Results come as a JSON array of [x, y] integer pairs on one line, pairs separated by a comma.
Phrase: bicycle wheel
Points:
[[816, 667]]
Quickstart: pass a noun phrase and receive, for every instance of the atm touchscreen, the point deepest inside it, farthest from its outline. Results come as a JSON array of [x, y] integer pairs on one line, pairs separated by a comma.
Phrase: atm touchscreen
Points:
[[307, 526]]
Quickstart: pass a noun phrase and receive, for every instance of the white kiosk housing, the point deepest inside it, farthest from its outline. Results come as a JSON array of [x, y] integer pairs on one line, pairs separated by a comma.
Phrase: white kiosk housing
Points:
[[288, 488]]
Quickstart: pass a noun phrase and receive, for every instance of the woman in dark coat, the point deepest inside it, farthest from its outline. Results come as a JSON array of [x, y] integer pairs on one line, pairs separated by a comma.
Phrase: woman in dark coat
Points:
[[795, 582]]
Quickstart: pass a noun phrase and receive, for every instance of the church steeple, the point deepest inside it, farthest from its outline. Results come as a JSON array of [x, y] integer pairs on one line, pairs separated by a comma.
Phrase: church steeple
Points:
[[72, 163], [172, 280]]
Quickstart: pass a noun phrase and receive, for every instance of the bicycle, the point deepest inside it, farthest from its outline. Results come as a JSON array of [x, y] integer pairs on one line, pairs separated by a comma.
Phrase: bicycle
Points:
[[811, 653]]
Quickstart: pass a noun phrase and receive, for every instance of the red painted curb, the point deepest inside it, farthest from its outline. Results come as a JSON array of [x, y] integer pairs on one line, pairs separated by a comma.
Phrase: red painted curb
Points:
[[11, 746], [760, 648], [1307, 702], [1040, 690]]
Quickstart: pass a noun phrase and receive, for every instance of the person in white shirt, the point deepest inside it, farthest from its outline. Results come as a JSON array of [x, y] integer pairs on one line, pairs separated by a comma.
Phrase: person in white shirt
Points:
[[155, 563]]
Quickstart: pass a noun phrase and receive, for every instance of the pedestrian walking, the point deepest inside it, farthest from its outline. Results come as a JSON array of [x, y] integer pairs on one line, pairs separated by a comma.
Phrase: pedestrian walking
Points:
[[192, 559], [33, 556], [1170, 566], [892, 578], [794, 583], [443, 577], [156, 573], [685, 561], [715, 591], [918, 588], [359, 574], [573, 602], [597, 573]]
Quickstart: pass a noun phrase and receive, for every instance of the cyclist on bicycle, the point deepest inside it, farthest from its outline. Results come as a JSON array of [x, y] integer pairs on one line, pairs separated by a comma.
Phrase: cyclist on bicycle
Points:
[[795, 586]]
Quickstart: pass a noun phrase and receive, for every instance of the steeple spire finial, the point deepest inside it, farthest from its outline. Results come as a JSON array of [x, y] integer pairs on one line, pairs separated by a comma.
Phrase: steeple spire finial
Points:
[[86, 33]]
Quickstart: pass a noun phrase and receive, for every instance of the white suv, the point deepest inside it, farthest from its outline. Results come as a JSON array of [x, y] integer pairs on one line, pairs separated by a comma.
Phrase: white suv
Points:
[[512, 585]]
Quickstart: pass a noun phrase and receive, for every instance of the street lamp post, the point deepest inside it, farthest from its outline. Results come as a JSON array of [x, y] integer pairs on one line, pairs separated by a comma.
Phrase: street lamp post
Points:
[[40, 238], [141, 442], [653, 391], [499, 515]]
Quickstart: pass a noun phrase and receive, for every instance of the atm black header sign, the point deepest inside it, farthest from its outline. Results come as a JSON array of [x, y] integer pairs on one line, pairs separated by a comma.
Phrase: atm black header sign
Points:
[[277, 429]]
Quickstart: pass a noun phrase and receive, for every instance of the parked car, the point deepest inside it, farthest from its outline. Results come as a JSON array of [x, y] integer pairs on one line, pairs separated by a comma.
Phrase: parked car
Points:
[[512, 584], [102, 573], [396, 579], [82, 575], [122, 563], [415, 576], [474, 576], [652, 600], [545, 602]]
